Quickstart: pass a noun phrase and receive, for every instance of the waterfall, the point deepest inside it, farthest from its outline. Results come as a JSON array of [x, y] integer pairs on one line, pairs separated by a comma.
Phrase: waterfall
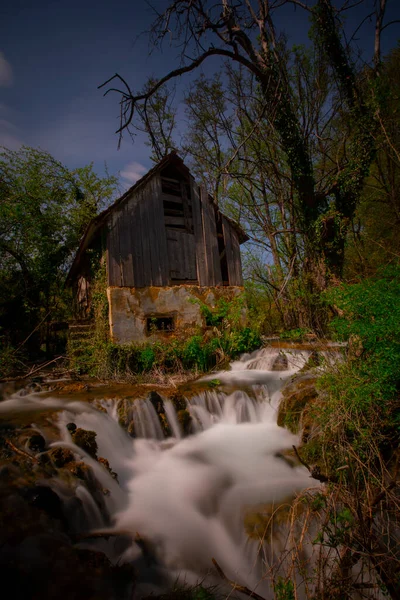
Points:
[[184, 497]]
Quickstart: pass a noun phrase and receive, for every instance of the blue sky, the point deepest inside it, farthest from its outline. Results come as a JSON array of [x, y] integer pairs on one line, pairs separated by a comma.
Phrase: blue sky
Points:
[[54, 54]]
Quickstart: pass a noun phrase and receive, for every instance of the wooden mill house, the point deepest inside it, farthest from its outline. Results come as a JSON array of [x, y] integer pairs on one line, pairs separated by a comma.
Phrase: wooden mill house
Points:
[[166, 246]]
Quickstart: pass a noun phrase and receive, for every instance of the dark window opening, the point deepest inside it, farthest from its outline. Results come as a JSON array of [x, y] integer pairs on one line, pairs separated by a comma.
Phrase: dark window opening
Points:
[[172, 187], [176, 202], [160, 324], [221, 248]]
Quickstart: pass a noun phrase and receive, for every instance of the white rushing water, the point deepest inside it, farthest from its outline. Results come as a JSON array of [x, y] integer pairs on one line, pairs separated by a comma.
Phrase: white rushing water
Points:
[[186, 497]]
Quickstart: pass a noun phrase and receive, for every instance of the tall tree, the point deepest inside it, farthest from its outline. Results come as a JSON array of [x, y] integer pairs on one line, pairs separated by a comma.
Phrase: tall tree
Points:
[[44, 209], [245, 34]]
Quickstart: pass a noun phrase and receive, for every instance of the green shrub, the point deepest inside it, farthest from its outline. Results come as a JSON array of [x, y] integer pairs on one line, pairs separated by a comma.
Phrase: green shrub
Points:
[[359, 411]]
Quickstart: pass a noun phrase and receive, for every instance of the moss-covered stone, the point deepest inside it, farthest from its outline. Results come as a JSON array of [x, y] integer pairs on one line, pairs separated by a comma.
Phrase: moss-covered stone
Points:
[[86, 440], [314, 360], [106, 464], [37, 443], [185, 420], [295, 397], [280, 363], [61, 456]]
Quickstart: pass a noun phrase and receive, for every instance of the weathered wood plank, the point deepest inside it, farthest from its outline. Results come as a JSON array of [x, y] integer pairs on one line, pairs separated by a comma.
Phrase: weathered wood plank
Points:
[[210, 240], [114, 271], [161, 264], [175, 221], [226, 228], [151, 231], [172, 198], [191, 257], [145, 237], [125, 246], [136, 241], [198, 235], [174, 264], [187, 216], [236, 258]]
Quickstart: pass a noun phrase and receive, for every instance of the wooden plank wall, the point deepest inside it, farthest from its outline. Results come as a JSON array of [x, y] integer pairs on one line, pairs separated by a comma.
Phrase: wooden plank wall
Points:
[[213, 266], [232, 248], [136, 242], [202, 275], [142, 251], [182, 255], [113, 256]]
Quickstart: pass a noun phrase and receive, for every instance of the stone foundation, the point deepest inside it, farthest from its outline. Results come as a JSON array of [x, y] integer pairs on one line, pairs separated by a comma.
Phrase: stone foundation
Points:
[[148, 314]]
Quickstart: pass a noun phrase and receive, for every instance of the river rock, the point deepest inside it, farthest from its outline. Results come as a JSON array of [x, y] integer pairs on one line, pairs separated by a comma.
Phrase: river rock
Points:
[[44, 498], [185, 420], [61, 456], [86, 440], [280, 363], [37, 443], [295, 397]]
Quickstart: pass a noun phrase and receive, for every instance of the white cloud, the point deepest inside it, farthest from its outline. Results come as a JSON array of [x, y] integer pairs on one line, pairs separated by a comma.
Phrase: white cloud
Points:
[[132, 172], [6, 74]]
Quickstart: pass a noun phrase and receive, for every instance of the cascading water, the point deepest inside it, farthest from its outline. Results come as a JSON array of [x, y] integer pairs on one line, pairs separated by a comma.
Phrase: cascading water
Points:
[[185, 498]]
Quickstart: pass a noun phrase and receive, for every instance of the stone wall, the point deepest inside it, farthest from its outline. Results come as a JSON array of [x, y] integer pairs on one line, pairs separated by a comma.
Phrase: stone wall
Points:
[[147, 314]]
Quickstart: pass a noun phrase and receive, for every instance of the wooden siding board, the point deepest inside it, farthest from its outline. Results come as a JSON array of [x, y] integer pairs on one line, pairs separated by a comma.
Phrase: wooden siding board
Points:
[[191, 257], [125, 247], [136, 241], [172, 245], [152, 233], [161, 232], [198, 235], [182, 255], [145, 238], [210, 240], [114, 272], [236, 258], [226, 228], [233, 257]]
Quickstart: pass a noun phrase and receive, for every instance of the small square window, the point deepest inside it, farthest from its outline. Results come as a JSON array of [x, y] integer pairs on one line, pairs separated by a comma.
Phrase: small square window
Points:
[[155, 324]]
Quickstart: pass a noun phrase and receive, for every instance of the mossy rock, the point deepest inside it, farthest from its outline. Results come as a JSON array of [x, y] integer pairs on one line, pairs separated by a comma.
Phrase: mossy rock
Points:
[[124, 412], [61, 456], [86, 440], [313, 361], [178, 400], [295, 397], [185, 420], [37, 443], [106, 464], [157, 402], [280, 363], [81, 470]]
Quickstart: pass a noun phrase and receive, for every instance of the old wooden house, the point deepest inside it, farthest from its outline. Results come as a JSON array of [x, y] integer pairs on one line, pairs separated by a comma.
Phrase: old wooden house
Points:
[[166, 244]]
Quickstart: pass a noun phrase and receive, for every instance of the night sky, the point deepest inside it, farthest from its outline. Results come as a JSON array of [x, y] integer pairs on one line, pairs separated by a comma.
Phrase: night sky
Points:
[[54, 54]]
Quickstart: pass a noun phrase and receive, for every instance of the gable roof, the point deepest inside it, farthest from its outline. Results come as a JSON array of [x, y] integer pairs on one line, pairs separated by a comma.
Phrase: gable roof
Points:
[[99, 221]]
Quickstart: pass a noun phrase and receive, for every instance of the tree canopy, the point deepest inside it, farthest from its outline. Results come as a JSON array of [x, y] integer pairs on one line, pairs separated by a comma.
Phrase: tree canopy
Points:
[[44, 209], [295, 95]]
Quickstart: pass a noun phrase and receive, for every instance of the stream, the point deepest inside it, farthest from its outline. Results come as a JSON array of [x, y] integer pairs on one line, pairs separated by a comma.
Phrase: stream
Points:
[[179, 501]]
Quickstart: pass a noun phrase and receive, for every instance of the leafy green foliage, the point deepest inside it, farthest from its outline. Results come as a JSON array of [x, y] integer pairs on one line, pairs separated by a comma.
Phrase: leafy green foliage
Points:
[[359, 411], [284, 589], [294, 334], [371, 313], [44, 209]]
